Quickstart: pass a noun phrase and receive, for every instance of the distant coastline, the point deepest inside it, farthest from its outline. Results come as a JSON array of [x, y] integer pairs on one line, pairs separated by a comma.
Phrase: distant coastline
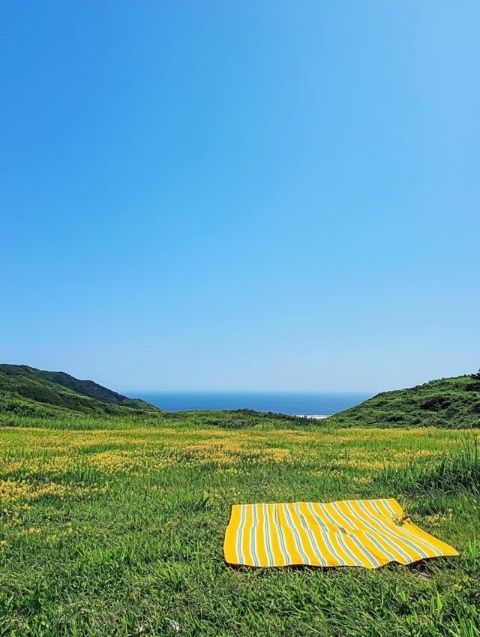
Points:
[[315, 405], [313, 416]]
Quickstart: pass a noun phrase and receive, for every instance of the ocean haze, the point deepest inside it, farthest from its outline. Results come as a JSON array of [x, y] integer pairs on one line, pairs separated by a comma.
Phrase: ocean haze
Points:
[[294, 403]]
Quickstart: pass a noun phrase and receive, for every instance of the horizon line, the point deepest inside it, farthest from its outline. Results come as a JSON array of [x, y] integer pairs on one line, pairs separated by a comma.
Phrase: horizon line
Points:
[[249, 391]]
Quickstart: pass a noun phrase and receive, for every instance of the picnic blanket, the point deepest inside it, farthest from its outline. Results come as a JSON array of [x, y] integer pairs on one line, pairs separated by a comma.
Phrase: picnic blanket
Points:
[[368, 533]]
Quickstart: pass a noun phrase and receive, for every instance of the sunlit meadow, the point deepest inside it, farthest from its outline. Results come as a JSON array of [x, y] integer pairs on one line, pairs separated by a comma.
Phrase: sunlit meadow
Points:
[[112, 529]]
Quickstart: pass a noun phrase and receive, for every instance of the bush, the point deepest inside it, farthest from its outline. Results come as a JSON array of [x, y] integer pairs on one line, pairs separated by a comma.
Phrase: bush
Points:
[[436, 403]]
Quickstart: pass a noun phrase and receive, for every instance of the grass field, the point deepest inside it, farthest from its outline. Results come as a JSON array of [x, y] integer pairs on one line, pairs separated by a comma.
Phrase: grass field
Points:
[[111, 530]]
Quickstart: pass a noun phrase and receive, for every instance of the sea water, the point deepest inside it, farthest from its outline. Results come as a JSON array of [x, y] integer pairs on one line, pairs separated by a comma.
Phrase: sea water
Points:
[[293, 403]]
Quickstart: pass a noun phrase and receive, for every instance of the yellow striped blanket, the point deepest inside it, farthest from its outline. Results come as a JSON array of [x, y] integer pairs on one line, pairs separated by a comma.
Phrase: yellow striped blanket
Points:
[[367, 533]]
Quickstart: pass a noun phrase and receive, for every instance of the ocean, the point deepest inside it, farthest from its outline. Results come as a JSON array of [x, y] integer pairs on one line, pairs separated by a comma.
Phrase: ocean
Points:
[[293, 403]]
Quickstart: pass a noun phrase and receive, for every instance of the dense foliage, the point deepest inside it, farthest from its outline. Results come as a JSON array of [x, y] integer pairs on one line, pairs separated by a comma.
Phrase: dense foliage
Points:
[[25, 390], [448, 402]]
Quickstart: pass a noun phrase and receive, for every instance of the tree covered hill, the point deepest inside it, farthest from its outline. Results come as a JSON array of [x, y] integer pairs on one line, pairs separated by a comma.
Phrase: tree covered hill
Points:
[[447, 402], [22, 388]]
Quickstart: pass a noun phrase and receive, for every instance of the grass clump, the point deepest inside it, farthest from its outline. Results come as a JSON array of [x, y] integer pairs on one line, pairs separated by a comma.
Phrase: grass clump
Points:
[[457, 471]]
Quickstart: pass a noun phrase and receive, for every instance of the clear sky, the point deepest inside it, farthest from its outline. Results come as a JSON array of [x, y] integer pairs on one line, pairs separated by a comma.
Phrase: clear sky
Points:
[[241, 195]]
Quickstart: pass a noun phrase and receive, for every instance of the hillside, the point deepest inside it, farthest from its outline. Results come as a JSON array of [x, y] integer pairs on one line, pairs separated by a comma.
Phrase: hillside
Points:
[[22, 388], [33, 397], [447, 402]]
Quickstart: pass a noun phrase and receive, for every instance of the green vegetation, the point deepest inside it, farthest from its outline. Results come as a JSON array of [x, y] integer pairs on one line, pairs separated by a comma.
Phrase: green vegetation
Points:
[[112, 523], [448, 402], [26, 391]]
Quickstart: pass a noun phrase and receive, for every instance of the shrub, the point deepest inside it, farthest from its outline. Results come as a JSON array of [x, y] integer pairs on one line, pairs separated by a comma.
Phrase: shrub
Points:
[[436, 403]]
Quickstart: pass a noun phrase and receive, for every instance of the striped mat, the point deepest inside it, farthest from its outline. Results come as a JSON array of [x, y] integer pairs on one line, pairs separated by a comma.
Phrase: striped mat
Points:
[[368, 533]]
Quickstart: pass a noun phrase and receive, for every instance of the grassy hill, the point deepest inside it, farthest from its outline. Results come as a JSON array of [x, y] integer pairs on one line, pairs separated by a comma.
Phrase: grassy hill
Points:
[[447, 402], [34, 393], [28, 391], [112, 515], [37, 398]]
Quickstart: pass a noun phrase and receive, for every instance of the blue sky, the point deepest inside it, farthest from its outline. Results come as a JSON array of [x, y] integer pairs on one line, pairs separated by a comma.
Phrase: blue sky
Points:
[[241, 195]]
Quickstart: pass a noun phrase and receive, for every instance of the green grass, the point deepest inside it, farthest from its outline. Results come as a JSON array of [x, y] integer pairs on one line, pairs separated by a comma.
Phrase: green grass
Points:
[[114, 526], [447, 402], [27, 391]]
